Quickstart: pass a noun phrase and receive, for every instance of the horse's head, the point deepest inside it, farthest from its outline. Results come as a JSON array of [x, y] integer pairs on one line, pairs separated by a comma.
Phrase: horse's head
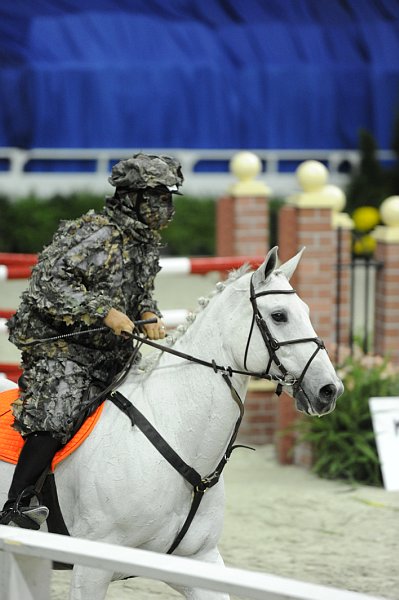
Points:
[[282, 341]]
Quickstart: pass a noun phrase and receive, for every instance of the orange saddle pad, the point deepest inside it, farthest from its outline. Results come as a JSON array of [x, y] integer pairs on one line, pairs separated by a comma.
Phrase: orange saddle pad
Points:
[[11, 441]]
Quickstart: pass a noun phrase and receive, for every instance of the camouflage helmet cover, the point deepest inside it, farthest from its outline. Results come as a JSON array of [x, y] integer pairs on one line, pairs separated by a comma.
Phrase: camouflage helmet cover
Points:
[[146, 171]]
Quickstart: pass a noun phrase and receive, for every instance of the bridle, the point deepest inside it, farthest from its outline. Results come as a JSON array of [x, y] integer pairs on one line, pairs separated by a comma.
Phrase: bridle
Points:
[[273, 345]]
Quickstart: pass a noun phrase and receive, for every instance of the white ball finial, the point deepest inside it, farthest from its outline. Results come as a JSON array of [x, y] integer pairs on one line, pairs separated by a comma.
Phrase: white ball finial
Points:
[[389, 211], [312, 175], [336, 195], [245, 165]]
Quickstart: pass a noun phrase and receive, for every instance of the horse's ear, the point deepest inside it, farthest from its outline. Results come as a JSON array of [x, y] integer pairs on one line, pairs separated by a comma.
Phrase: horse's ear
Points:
[[266, 268], [289, 267]]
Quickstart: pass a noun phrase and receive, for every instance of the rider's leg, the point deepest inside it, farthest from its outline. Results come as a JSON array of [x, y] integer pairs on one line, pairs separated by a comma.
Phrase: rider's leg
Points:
[[37, 454]]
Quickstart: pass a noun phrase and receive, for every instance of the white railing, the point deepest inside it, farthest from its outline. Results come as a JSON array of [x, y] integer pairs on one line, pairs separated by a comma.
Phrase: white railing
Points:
[[25, 567], [15, 180]]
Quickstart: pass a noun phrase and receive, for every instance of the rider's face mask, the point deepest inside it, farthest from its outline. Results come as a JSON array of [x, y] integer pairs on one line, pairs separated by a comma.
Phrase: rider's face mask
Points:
[[155, 207]]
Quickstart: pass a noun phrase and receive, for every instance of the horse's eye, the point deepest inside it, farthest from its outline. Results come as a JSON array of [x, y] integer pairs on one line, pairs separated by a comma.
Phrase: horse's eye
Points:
[[279, 317]]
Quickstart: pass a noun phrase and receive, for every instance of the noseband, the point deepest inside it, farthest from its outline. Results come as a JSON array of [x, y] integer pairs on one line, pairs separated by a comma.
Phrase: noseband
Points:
[[273, 345]]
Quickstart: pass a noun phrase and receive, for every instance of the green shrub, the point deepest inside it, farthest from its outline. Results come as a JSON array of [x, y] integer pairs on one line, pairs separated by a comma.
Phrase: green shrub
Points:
[[28, 224], [192, 231], [343, 442]]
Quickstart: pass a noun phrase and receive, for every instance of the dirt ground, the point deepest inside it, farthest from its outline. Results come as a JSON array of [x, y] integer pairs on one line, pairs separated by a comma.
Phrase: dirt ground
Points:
[[286, 521]]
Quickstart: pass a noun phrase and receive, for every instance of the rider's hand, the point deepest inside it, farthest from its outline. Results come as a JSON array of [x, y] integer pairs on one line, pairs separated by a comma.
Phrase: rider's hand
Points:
[[118, 322], [155, 331]]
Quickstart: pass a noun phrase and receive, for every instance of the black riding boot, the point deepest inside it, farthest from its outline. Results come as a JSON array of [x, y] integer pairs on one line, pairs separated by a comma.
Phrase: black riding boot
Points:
[[36, 454]]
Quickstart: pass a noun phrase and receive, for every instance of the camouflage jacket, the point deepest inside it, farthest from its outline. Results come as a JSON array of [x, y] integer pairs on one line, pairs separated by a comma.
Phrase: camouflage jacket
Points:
[[93, 263]]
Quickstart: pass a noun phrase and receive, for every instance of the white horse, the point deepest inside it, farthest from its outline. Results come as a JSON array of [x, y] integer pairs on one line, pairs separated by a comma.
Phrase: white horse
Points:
[[118, 488]]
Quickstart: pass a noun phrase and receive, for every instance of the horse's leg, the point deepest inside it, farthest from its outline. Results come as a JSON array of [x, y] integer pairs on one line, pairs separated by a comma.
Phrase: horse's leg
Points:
[[197, 594], [212, 556], [89, 584]]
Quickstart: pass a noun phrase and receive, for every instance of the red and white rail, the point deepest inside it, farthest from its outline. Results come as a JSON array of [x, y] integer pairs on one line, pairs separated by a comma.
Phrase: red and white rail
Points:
[[19, 266]]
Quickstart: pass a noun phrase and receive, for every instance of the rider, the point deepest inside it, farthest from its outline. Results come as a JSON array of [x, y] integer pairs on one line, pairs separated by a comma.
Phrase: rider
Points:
[[99, 269]]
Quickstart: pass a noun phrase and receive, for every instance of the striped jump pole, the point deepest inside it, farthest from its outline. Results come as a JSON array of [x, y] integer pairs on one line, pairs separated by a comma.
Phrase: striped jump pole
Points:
[[19, 266], [14, 259], [16, 266]]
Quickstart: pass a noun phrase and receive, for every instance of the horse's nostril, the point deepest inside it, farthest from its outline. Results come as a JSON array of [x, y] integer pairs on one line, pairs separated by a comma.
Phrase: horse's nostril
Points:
[[328, 392]]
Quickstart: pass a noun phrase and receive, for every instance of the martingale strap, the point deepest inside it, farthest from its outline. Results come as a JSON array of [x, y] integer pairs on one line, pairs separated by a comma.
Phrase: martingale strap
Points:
[[137, 418], [200, 484]]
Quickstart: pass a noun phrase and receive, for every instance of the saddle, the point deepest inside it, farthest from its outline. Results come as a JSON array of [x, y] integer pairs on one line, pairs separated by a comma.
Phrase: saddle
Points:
[[11, 443]]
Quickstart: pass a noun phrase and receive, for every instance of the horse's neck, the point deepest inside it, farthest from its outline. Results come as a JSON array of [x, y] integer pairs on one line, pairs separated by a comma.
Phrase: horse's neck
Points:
[[192, 403]]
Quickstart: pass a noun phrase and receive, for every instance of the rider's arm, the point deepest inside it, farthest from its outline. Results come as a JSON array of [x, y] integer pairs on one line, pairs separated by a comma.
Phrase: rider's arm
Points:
[[82, 284]]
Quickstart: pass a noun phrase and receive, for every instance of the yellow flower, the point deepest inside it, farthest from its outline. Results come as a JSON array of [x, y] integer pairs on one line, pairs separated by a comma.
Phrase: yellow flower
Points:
[[365, 245], [366, 218]]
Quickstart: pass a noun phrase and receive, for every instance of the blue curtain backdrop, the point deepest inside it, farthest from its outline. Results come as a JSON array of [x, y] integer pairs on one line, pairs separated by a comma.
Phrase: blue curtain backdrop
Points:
[[189, 73]]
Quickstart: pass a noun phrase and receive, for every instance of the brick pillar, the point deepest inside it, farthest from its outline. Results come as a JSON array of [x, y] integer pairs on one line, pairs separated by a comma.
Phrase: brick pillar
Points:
[[251, 225], [286, 413], [314, 278], [307, 220], [285, 439], [287, 232], [242, 215], [225, 225], [387, 281]]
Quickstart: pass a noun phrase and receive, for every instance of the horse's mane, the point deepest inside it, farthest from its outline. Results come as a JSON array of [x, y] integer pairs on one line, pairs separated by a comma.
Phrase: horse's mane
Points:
[[148, 362]]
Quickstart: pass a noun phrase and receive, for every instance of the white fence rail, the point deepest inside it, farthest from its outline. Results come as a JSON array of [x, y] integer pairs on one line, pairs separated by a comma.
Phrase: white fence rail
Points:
[[209, 179], [25, 568]]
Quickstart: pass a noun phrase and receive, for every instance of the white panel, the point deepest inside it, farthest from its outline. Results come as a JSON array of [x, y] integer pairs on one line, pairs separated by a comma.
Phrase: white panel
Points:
[[385, 417]]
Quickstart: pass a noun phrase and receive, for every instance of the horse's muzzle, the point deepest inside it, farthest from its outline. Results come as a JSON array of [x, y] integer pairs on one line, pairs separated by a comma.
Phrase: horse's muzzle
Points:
[[321, 404]]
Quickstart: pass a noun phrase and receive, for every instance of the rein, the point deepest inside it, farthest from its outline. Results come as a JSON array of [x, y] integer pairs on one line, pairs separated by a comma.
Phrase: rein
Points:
[[228, 371], [56, 338]]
